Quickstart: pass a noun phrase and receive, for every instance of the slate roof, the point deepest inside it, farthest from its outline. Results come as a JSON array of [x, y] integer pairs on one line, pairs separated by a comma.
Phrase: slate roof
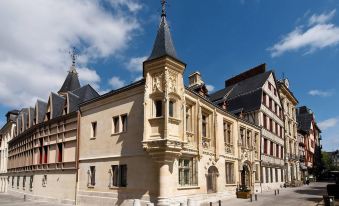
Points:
[[41, 108], [304, 122], [245, 94], [71, 82], [163, 44]]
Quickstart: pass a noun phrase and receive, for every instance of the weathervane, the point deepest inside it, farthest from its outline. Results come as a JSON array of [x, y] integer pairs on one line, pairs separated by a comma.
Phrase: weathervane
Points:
[[163, 9], [74, 55]]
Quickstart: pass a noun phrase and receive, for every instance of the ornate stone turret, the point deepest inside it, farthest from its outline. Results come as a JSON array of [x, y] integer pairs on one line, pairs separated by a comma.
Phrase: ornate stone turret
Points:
[[163, 106]]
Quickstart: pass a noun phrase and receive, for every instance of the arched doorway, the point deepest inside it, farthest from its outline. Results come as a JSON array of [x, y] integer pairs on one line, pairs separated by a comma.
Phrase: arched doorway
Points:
[[212, 176], [245, 177]]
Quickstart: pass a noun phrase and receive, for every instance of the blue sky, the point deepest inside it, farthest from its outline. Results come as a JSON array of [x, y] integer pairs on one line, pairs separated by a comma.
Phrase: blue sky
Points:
[[219, 38]]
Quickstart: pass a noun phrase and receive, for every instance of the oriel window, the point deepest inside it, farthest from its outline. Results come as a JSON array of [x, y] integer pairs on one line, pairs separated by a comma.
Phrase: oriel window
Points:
[[158, 108], [171, 108]]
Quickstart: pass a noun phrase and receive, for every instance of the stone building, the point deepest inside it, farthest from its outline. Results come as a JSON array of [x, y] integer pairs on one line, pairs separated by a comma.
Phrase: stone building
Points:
[[308, 128], [160, 141], [6, 134], [289, 103], [42, 154], [253, 95], [302, 154]]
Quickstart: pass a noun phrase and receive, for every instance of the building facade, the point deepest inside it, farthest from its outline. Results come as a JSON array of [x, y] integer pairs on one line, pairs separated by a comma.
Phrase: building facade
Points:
[[159, 141], [6, 134], [308, 128], [42, 154], [253, 95], [289, 103]]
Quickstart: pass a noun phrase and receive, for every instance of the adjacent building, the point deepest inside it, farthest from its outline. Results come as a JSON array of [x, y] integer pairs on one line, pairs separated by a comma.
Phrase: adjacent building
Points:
[[6, 134], [289, 103], [310, 133], [43, 152], [253, 95]]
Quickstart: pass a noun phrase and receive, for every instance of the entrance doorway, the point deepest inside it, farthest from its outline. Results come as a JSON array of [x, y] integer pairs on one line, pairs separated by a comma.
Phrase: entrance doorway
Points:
[[212, 179], [245, 177]]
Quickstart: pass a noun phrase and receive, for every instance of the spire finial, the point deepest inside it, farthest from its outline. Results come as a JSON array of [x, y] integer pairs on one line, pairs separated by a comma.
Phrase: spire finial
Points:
[[163, 8], [74, 55]]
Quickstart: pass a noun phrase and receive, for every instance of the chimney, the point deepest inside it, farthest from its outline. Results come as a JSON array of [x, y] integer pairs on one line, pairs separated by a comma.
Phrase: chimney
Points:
[[195, 79]]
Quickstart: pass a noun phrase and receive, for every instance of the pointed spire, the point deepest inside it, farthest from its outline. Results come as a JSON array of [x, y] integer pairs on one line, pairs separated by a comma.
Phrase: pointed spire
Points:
[[163, 44], [72, 80]]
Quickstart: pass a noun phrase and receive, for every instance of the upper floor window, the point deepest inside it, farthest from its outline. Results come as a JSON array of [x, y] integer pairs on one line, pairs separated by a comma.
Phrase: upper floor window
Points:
[[242, 137], [124, 122], [204, 125], [189, 122], [248, 139], [269, 86], [119, 124], [158, 108], [171, 108], [264, 97], [94, 129], [265, 121], [116, 124], [227, 133]]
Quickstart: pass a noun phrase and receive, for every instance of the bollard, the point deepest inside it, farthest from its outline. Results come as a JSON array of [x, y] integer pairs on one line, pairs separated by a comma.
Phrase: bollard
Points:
[[251, 198], [25, 198], [275, 192], [256, 197], [219, 202], [210, 203]]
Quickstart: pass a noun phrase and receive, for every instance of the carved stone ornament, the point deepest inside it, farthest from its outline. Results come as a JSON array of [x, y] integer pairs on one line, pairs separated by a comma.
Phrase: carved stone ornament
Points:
[[172, 81], [158, 82]]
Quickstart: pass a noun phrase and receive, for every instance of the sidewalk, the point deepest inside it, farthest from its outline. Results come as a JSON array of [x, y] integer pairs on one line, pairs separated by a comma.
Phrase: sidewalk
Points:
[[310, 195]]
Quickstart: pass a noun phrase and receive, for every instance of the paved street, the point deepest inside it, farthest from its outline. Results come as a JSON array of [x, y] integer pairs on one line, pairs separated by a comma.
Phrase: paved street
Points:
[[301, 196], [9, 200]]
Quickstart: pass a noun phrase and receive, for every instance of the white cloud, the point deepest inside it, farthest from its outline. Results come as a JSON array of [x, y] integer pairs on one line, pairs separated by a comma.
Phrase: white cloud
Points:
[[318, 35], [135, 64], [116, 82], [38, 34], [317, 92], [210, 88], [138, 78], [328, 123], [321, 18]]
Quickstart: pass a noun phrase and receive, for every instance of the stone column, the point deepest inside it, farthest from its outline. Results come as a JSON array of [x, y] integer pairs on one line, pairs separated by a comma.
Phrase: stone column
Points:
[[165, 182]]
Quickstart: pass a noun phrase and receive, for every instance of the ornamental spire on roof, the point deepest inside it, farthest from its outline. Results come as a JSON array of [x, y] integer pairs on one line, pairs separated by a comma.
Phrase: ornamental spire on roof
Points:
[[72, 80], [163, 44]]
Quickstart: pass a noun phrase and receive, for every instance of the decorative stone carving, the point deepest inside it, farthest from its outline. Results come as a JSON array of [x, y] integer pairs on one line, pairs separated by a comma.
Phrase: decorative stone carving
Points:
[[172, 81], [158, 82]]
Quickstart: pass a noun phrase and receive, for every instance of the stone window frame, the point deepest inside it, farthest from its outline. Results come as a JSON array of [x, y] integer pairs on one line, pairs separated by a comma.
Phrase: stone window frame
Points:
[[230, 179], [119, 124], [118, 176], [191, 168], [91, 176]]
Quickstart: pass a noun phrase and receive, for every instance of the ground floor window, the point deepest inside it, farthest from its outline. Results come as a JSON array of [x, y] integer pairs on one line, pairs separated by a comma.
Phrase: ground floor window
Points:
[[282, 175], [91, 176], [229, 167], [188, 172], [119, 175], [276, 175], [267, 173], [31, 183], [257, 172], [17, 181], [271, 170]]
